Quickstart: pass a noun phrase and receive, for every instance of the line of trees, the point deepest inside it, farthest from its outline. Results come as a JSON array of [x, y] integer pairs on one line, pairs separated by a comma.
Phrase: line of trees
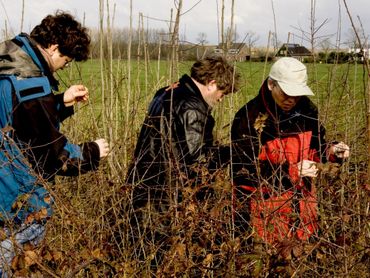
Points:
[[154, 43]]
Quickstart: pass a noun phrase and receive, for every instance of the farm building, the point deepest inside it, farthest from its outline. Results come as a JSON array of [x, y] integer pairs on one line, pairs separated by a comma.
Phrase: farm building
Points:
[[293, 50], [236, 51]]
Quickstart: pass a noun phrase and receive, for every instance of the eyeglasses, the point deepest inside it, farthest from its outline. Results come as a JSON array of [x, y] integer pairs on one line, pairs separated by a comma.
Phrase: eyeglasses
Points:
[[67, 62]]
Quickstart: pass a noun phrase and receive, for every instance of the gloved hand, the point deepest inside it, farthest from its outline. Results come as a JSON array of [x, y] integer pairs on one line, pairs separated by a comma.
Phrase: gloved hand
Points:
[[340, 150], [307, 168], [103, 147]]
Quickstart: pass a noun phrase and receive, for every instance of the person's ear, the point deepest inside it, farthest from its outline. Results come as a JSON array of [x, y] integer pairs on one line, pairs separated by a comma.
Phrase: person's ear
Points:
[[212, 85], [52, 48], [270, 84]]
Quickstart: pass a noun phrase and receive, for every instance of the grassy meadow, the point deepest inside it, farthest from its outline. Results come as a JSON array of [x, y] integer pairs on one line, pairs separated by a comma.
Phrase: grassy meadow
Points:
[[92, 209]]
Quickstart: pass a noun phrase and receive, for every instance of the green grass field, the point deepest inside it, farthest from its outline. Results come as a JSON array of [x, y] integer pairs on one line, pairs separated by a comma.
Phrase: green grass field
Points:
[[340, 91]]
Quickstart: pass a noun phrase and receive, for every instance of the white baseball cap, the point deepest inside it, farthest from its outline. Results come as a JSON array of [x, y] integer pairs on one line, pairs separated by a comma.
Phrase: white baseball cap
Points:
[[291, 76]]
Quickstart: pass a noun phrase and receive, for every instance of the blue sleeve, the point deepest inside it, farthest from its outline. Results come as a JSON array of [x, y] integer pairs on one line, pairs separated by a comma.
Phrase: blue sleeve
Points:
[[74, 151]]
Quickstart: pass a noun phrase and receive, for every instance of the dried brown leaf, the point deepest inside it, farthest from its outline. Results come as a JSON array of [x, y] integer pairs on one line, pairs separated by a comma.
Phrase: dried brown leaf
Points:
[[30, 258], [180, 249], [298, 250], [3, 235], [97, 253], [207, 260], [47, 199], [57, 255], [260, 122], [47, 256]]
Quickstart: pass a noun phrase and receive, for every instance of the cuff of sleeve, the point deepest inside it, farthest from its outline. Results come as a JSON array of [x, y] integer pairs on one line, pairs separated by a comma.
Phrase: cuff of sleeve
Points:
[[65, 112], [332, 157], [91, 154]]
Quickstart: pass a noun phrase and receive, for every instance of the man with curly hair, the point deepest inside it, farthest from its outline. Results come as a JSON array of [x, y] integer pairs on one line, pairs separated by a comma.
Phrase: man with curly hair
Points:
[[33, 149]]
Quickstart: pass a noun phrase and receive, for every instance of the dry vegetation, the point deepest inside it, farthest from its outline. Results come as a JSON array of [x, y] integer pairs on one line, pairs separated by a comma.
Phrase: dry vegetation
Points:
[[89, 234]]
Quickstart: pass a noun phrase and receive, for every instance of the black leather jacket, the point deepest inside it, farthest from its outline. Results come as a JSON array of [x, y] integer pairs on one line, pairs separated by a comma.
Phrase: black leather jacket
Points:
[[176, 134]]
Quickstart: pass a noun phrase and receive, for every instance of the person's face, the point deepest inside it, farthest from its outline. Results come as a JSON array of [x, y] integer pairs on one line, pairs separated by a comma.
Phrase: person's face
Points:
[[285, 102], [213, 95], [59, 61]]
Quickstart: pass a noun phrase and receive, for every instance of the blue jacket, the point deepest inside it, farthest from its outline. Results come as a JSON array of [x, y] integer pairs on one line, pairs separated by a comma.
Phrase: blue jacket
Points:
[[33, 150]]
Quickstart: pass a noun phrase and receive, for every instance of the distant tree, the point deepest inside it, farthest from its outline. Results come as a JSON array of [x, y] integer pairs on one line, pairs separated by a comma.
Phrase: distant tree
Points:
[[232, 34], [339, 57], [352, 40], [201, 48], [325, 46], [202, 38], [250, 40]]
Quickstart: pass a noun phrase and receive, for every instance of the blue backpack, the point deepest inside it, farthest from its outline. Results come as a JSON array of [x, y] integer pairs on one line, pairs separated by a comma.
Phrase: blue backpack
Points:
[[21, 191]]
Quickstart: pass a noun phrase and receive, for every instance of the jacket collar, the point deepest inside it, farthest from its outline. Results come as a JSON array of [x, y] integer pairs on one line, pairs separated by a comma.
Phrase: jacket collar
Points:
[[189, 83], [273, 109], [45, 66]]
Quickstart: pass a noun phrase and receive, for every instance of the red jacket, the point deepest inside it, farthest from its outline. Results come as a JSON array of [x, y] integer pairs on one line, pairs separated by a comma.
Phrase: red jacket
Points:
[[267, 145], [265, 136]]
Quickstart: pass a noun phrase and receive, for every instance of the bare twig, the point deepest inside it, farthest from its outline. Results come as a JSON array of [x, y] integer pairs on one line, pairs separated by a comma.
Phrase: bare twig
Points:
[[366, 64]]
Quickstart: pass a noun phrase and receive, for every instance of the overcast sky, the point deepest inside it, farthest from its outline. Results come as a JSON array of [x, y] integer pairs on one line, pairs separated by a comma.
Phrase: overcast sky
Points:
[[251, 16]]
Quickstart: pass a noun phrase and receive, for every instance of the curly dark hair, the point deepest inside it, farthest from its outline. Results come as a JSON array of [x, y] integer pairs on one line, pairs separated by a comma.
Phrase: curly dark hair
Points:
[[62, 29], [218, 69]]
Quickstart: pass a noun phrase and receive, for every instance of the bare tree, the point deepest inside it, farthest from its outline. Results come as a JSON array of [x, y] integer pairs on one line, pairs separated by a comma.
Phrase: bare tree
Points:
[[231, 29], [325, 46], [202, 41], [175, 42], [22, 17], [250, 39], [202, 38], [352, 41], [275, 41], [367, 68]]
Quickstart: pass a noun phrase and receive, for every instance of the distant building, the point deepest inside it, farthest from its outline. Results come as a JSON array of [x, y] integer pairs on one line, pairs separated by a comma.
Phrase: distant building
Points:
[[360, 54], [293, 50], [235, 51]]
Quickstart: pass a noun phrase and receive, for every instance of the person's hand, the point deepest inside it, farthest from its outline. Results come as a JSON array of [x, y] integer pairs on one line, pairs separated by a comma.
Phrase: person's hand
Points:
[[340, 150], [75, 94], [103, 147], [307, 168]]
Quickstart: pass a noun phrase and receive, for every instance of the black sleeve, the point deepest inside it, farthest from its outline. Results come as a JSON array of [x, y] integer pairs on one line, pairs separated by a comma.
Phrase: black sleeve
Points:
[[64, 112], [36, 124], [194, 123], [244, 149], [68, 165]]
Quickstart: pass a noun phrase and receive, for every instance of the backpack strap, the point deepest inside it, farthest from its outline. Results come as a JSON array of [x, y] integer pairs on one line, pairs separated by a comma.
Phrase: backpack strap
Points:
[[29, 88], [28, 49]]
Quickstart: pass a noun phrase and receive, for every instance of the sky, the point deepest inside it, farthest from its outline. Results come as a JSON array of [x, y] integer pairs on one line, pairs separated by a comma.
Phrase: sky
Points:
[[288, 19]]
